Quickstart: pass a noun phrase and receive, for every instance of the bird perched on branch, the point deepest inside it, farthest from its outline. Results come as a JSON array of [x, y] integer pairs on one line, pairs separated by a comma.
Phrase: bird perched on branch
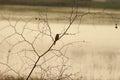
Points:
[[116, 26], [56, 38]]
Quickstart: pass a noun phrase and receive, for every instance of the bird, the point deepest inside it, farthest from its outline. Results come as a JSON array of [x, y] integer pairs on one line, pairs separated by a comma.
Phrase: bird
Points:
[[116, 26], [36, 18], [56, 38]]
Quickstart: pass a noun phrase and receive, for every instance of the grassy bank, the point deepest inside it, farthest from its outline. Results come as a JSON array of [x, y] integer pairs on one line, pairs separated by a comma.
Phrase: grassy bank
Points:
[[63, 3], [107, 5]]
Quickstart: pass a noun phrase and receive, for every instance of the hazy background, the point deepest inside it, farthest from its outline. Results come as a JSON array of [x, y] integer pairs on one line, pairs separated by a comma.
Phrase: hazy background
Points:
[[95, 56]]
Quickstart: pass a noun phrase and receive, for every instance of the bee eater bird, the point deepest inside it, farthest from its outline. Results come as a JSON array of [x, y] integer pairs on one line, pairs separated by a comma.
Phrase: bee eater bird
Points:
[[116, 26], [56, 38]]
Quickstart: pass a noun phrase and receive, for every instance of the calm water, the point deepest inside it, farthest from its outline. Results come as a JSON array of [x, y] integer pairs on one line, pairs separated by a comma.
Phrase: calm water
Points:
[[95, 48]]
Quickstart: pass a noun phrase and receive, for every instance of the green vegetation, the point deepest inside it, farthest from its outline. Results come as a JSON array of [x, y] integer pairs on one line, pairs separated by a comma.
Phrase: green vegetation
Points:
[[64, 3], [107, 5]]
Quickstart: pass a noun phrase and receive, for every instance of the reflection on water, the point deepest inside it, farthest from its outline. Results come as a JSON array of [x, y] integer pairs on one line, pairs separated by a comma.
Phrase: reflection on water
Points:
[[95, 56]]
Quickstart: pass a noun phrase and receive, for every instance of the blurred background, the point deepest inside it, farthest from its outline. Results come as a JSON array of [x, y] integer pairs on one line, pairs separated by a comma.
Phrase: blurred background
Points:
[[93, 41]]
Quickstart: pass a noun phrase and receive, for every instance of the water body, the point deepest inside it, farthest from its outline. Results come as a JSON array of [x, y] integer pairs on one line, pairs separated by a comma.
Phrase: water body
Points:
[[94, 51]]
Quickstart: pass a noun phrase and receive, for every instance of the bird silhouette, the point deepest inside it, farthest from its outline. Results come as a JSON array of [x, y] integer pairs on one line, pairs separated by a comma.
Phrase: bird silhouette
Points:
[[56, 38], [116, 26], [35, 18]]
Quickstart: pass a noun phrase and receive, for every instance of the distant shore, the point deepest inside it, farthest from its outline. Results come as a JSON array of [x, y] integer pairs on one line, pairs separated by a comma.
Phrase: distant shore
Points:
[[105, 5]]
